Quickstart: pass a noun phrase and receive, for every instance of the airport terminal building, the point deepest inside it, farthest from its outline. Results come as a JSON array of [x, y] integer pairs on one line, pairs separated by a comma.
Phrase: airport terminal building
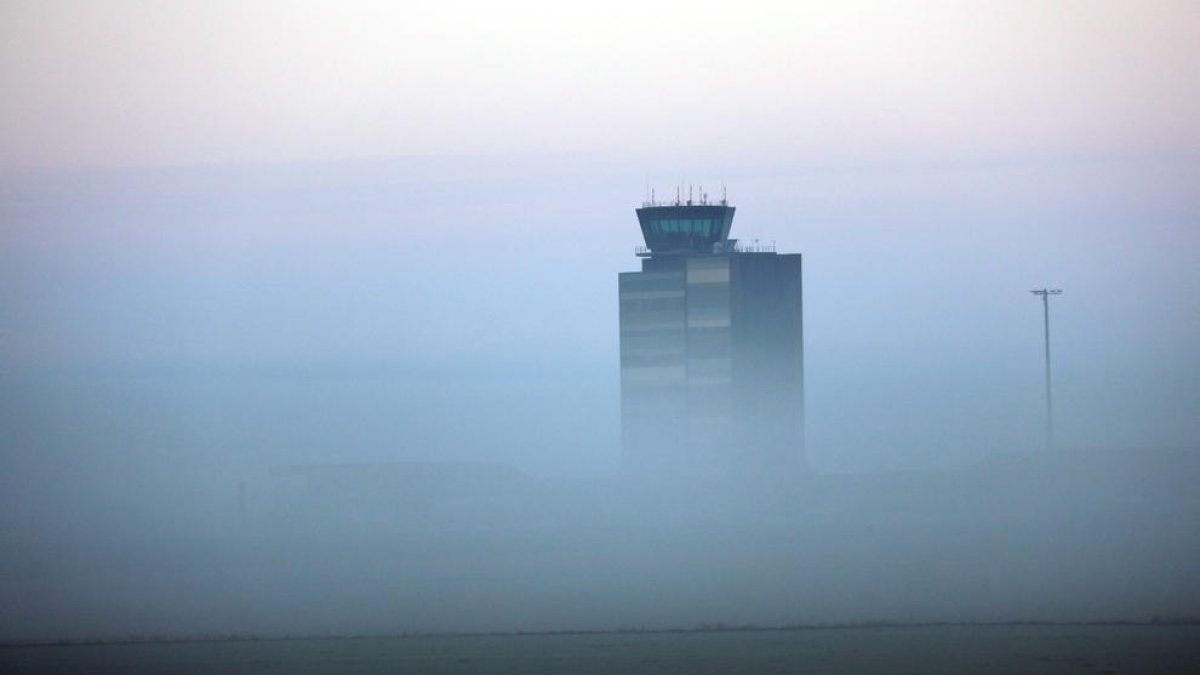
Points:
[[712, 351]]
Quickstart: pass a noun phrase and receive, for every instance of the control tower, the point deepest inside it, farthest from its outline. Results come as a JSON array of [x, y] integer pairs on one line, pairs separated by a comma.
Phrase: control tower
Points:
[[712, 350]]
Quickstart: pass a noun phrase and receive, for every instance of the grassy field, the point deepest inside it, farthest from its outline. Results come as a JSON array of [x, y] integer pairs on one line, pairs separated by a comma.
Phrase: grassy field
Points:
[[1049, 649]]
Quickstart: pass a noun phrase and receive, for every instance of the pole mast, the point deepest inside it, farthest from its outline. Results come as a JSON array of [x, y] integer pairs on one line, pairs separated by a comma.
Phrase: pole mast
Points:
[[1045, 294]]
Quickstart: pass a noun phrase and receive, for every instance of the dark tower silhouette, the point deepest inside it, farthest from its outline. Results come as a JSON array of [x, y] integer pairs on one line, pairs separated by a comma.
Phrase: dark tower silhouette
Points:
[[712, 351]]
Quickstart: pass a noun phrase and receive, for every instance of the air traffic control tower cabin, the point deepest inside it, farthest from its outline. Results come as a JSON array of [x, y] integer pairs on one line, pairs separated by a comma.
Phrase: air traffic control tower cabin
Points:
[[712, 351]]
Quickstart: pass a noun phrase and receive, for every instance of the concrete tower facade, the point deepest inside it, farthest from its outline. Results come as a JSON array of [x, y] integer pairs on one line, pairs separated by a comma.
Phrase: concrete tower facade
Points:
[[712, 351]]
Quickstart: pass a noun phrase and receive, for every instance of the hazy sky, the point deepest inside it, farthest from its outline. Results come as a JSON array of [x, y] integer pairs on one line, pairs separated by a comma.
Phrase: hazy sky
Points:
[[134, 83], [451, 185]]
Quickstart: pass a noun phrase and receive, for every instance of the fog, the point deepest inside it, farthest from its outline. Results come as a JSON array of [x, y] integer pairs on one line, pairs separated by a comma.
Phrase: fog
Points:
[[309, 317], [382, 396]]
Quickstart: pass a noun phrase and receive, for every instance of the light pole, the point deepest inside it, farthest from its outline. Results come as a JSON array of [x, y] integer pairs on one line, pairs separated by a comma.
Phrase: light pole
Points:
[[1046, 293]]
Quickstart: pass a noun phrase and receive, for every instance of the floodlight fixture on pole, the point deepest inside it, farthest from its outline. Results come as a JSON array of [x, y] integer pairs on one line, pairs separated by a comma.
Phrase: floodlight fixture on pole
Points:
[[1045, 294]]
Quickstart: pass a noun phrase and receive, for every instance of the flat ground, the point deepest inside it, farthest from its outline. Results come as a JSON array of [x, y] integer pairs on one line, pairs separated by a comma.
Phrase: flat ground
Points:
[[908, 649]]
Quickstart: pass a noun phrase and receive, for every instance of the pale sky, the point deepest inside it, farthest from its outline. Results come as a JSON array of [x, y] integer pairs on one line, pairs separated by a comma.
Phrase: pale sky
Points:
[[103, 84], [451, 185]]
